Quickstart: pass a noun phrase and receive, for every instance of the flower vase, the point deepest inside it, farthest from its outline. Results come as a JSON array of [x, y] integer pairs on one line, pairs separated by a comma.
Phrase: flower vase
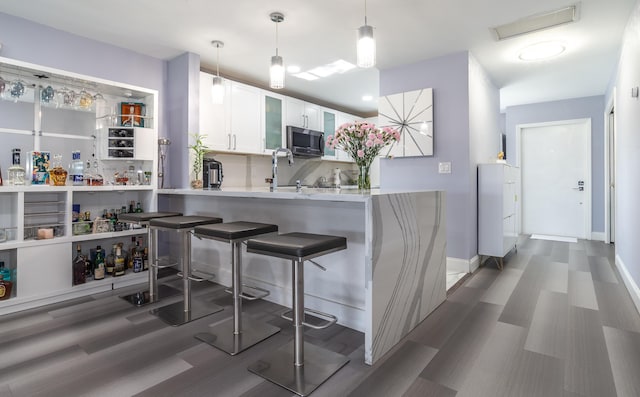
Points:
[[364, 179]]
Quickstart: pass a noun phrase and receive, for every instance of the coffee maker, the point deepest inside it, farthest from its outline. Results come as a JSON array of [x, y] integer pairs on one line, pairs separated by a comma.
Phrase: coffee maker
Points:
[[211, 173]]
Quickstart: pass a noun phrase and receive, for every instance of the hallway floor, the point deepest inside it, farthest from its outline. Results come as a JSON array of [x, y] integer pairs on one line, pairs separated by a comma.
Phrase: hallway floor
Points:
[[557, 321]]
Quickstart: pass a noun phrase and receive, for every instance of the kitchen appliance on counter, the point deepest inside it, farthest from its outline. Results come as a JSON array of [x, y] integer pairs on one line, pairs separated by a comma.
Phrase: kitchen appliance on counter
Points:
[[304, 142], [211, 173]]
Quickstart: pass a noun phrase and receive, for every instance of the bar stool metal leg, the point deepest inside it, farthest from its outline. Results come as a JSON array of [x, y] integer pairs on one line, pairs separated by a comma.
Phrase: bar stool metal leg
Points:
[[312, 365], [154, 292], [183, 312], [237, 334]]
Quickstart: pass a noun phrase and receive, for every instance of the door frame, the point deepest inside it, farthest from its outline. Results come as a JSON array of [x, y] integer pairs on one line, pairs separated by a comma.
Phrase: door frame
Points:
[[611, 106], [588, 188]]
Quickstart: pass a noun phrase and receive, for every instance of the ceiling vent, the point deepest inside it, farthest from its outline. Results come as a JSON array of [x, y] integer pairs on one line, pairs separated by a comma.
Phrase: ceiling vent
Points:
[[537, 22]]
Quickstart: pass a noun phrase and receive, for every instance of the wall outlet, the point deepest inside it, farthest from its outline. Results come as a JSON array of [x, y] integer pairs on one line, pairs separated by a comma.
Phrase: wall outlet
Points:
[[444, 168]]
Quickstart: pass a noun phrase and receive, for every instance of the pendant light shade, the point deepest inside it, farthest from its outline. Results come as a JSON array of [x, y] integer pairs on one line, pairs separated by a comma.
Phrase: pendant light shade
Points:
[[366, 46], [217, 88], [276, 72]]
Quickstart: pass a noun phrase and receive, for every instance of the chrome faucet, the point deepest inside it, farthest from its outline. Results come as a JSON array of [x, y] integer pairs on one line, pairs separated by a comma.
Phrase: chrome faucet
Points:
[[274, 166]]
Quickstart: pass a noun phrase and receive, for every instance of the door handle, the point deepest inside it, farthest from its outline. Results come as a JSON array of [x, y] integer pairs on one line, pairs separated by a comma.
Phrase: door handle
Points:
[[229, 143], [235, 142]]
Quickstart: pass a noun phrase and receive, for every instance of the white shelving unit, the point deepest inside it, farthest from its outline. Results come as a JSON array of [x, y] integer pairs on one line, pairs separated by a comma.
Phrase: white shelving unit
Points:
[[43, 267]]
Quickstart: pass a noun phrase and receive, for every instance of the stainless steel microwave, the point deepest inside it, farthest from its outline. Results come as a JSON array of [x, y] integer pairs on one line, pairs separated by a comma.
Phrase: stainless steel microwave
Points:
[[304, 142]]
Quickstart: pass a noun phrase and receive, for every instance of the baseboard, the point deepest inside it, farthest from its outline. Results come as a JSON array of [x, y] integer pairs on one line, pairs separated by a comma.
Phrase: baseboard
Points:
[[457, 265], [631, 285], [598, 236]]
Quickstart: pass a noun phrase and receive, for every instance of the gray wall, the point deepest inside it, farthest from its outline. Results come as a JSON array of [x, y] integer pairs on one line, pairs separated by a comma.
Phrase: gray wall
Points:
[[449, 76], [627, 151], [183, 86], [590, 107]]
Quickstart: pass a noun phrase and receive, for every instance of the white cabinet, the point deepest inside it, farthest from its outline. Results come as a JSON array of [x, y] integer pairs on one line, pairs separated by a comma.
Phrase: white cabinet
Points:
[[234, 125], [43, 268], [244, 133], [303, 114], [497, 209], [273, 127]]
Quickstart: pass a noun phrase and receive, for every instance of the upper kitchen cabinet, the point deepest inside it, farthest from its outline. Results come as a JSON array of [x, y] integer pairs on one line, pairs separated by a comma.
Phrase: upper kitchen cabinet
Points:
[[215, 118], [233, 126], [329, 128], [273, 128], [303, 114]]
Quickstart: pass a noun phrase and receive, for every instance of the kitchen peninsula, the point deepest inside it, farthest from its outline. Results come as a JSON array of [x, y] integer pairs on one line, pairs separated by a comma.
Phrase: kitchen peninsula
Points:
[[391, 276]]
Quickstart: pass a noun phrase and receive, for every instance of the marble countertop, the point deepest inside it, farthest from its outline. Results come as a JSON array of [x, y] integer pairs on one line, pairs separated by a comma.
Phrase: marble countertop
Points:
[[288, 192]]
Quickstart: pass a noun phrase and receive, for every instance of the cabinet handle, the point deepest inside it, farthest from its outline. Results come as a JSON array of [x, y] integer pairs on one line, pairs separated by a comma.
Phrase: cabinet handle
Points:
[[234, 142], [303, 121], [229, 144]]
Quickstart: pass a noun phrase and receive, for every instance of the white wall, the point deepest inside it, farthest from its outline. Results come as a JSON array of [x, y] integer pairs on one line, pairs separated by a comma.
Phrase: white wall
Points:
[[627, 159]]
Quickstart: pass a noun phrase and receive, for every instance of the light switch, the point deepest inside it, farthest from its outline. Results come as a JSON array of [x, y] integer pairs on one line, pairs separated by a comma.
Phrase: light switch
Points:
[[444, 168]]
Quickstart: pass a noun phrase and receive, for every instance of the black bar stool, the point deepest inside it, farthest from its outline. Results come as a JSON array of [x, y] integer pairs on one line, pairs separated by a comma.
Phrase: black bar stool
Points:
[[288, 366], [155, 291], [182, 312], [237, 333]]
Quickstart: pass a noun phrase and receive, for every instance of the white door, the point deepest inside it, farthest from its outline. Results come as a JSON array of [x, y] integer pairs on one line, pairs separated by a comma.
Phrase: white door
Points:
[[245, 118], [556, 185]]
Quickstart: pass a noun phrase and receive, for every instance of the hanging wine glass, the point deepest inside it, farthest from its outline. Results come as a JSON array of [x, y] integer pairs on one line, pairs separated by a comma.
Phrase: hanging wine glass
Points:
[[85, 99], [47, 94], [67, 96], [16, 89]]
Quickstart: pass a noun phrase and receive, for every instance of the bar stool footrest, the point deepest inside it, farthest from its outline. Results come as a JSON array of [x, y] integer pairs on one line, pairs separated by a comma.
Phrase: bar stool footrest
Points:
[[165, 263], [326, 318], [250, 296], [198, 279]]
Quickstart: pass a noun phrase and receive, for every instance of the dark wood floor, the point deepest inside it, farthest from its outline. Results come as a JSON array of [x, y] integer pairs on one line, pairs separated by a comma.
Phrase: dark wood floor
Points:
[[557, 321]]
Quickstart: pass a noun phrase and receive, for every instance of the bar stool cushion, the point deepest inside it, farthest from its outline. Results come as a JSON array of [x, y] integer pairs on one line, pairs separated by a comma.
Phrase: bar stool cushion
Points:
[[296, 245], [183, 222], [235, 230], [145, 216]]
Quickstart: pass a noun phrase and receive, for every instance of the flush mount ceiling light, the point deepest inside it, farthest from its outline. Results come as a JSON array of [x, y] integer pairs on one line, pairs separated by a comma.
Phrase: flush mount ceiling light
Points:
[[367, 98], [537, 22], [366, 47], [293, 69], [217, 89], [276, 73], [541, 51]]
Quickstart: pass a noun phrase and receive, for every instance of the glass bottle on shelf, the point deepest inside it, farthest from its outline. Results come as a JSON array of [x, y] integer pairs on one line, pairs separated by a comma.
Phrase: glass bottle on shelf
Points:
[[5, 272], [77, 169], [110, 261], [5, 288], [138, 264], [99, 269], [58, 174], [119, 262], [16, 171], [138, 207], [132, 252], [145, 259], [79, 267]]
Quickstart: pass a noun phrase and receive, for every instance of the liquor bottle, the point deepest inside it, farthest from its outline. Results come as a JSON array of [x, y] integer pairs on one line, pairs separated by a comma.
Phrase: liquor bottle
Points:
[[132, 252], [138, 207], [5, 272], [79, 267], [131, 205], [119, 262], [57, 174], [5, 288], [138, 264], [110, 261], [99, 264], [145, 259], [16, 171], [76, 173]]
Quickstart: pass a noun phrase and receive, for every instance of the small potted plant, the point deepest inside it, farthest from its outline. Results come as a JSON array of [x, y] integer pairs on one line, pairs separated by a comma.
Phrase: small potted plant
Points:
[[199, 149]]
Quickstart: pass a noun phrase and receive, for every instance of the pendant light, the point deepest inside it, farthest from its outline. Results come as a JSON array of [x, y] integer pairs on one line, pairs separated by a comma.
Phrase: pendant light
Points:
[[217, 89], [276, 73], [366, 46]]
